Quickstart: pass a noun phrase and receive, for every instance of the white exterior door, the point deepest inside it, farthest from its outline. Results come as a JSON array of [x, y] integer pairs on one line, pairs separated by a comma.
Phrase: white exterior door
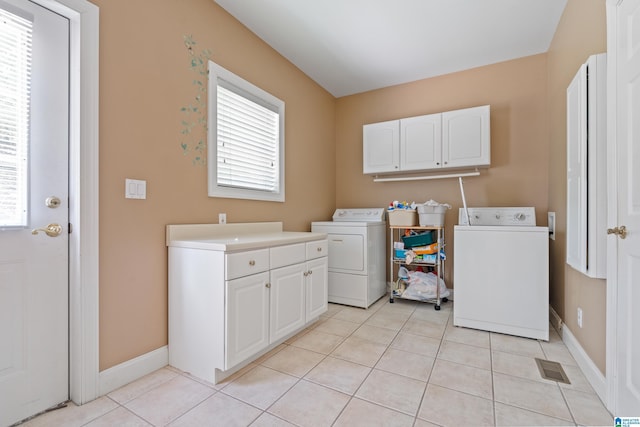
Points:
[[623, 330], [34, 348]]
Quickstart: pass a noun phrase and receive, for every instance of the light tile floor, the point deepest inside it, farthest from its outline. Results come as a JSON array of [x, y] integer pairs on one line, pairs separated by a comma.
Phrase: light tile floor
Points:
[[401, 364]]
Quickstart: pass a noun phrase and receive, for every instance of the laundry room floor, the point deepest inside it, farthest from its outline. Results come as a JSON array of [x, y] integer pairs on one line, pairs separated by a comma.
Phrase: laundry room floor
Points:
[[401, 364]]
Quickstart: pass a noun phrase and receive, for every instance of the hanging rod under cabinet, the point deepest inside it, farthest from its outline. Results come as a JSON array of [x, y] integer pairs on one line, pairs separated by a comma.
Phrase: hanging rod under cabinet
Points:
[[419, 178]]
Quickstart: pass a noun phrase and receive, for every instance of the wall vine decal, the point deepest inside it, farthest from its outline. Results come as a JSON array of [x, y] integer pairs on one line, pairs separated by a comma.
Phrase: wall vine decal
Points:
[[194, 122]]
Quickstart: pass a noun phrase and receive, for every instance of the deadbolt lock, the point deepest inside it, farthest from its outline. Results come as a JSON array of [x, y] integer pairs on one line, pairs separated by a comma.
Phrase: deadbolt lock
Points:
[[52, 202]]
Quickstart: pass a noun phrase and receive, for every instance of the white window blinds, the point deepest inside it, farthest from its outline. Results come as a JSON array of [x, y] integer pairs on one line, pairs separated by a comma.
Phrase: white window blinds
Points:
[[245, 139], [15, 88], [248, 140]]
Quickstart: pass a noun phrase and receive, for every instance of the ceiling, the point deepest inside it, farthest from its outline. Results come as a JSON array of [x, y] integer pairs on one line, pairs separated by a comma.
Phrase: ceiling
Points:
[[352, 46]]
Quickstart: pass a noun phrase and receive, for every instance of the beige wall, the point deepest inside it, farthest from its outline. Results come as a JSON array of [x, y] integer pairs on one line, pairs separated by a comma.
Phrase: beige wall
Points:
[[516, 91], [581, 32], [145, 78]]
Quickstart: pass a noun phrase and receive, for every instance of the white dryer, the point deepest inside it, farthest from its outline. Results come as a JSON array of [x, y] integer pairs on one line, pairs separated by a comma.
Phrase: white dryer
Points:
[[501, 272], [357, 245]]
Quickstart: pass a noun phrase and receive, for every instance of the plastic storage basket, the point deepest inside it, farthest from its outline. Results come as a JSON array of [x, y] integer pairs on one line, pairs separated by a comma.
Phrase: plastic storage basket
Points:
[[422, 239], [431, 215], [403, 217]]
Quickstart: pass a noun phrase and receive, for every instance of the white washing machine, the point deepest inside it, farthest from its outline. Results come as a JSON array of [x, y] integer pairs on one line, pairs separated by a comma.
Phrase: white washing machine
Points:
[[501, 272], [357, 245]]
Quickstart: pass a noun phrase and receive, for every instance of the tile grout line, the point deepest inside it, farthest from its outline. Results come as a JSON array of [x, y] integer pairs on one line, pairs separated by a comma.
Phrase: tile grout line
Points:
[[424, 393], [325, 356], [493, 383], [351, 397], [566, 402]]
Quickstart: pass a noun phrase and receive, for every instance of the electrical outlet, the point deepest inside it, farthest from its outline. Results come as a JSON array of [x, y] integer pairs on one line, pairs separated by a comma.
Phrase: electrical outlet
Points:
[[222, 218], [579, 317]]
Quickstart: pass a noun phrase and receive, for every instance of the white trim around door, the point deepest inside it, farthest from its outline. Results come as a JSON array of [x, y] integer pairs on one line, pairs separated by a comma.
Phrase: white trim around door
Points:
[[83, 196], [612, 210]]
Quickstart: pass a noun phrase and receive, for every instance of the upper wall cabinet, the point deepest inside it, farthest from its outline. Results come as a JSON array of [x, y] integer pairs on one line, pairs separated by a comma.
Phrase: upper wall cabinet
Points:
[[453, 139], [381, 147], [586, 169]]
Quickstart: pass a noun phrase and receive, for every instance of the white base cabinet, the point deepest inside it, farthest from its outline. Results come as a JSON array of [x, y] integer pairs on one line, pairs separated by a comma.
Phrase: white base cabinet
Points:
[[247, 317], [287, 295], [228, 308], [317, 288]]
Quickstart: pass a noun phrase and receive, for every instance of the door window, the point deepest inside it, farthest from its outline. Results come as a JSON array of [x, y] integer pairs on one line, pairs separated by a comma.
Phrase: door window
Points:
[[15, 92]]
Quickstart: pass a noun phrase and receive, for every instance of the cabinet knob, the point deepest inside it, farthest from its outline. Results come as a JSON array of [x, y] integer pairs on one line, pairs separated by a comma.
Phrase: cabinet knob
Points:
[[252, 263], [267, 285], [319, 249], [310, 272], [438, 163], [305, 274]]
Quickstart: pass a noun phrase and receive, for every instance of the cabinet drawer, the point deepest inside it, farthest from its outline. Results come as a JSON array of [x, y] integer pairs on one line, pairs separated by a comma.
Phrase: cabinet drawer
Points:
[[317, 249], [287, 255], [245, 263]]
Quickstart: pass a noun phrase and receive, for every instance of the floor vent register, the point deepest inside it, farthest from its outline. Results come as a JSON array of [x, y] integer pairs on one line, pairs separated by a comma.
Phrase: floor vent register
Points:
[[552, 371]]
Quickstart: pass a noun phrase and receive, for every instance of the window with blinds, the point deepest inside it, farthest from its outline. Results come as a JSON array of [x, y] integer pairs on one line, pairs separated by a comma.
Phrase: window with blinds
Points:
[[15, 86], [246, 141]]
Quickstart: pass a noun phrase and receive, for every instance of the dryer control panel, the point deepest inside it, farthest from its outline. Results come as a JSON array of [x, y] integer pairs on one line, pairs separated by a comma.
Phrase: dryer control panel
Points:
[[360, 214], [525, 216]]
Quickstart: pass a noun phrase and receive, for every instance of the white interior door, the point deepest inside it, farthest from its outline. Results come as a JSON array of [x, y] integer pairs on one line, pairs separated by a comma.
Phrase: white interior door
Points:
[[34, 140], [626, 356]]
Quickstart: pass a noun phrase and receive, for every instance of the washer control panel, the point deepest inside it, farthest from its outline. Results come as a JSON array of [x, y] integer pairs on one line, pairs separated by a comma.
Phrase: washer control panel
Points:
[[360, 214], [525, 216]]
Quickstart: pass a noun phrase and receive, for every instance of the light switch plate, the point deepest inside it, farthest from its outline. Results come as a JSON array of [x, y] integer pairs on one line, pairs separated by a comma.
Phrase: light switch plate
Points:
[[135, 189]]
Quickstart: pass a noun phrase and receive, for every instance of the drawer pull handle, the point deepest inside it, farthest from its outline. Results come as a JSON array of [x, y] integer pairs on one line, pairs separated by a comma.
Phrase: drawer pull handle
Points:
[[252, 263], [305, 274], [319, 249]]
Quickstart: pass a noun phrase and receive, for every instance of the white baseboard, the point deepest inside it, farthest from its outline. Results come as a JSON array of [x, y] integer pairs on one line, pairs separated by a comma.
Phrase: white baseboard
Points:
[[555, 320], [590, 370], [126, 372]]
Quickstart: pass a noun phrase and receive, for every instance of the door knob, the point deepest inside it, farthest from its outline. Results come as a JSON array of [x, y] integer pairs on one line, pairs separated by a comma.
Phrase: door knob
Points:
[[52, 230], [620, 231]]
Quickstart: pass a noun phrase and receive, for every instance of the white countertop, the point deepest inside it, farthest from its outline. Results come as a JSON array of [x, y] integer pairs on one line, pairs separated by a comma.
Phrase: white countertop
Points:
[[236, 236]]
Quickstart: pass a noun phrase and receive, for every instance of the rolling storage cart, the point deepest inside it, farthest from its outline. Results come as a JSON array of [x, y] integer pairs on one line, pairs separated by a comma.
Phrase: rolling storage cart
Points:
[[433, 263]]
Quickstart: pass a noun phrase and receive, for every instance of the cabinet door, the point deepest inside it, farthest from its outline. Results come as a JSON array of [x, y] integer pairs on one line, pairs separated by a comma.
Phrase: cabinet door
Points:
[[247, 317], [287, 300], [317, 281], [466, 139], [381, 147], [420, 142], [576, 170]]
